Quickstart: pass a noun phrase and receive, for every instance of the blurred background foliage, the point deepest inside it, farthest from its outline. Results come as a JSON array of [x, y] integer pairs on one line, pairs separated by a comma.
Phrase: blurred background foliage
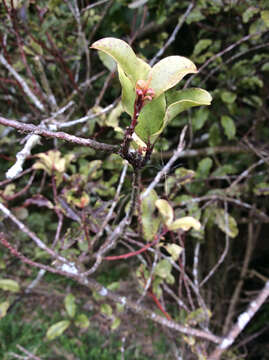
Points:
[[47, 43]]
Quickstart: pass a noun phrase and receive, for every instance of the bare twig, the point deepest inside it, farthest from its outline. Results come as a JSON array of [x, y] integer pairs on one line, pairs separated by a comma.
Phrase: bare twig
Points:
[[167, 167], [30, 128], [23, 84], [172, 37], [225, 250], [241, 323]]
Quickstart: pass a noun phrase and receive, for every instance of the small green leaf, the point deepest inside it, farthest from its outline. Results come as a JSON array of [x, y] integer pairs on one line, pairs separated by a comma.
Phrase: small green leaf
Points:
[[150, 223], [199, 118], [214, 135], [226, 223], [174, 250], [249, 13], [204, 168], [70, 305], [169, 71], [3, 308], [201, 45], [185, 223], [106, 309], [228, 97], [9, 285], [57, 329], [163, 269], [229, 126], [82, 321], [165, 210], [115, 323]]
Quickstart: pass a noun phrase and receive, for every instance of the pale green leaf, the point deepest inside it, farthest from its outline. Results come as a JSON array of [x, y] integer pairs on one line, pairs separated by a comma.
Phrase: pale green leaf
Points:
[[151, 119], [165, 210], [201, 45], [150, 223], [185, 223], [82, 321], [226, 223], [70, 305], [3, 308], [57, 329], [199, 118], [107, 60], [229, 126], [115, 323], [106, 309], [124, 55], [9, 285], [169, 71], [179, 101], [249, 13], [174, 250], [228, 97], [163, 269], [204, 168]]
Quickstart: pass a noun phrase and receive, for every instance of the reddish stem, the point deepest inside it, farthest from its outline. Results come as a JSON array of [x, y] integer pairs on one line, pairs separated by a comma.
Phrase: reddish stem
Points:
[[132, 253], [159, 305]]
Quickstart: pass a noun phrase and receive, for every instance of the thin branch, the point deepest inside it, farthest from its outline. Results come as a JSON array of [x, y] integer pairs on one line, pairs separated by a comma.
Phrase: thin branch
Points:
[[172, 37], [241, 323], [225, 250], [167, 167], [139, 309], [243, 272], [30, 128], [221, 53], [23, 84]]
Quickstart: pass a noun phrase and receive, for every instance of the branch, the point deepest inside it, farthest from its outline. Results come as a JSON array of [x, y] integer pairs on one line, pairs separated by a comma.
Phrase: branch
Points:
[[95, 286], [30, 128], [241, 323], [24, 85]]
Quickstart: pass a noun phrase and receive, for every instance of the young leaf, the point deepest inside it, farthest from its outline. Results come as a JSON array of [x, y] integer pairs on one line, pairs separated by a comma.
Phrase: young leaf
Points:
[[70, 305], [174, 250], [165, 210], [82, 321], [124, 55], [3, 309], [185, 223], [151, 118], [9, 285], [226, 223], [57, 329], [169, 71], [106, 309], [115, 323], [150, 223], [229, 127], [179, 101]]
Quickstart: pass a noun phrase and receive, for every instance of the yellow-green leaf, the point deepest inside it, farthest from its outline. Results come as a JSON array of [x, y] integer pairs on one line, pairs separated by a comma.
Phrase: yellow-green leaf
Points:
[[165, 210], [9, 285], [70, 305], [82, 321], [3, 309], [174, 250], [185, 223], [124, 55], [168, 72], [226, 223], [57, 329]]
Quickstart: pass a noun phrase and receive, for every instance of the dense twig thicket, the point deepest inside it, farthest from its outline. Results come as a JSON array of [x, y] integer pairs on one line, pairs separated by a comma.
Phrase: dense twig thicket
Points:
[[186, 212]]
